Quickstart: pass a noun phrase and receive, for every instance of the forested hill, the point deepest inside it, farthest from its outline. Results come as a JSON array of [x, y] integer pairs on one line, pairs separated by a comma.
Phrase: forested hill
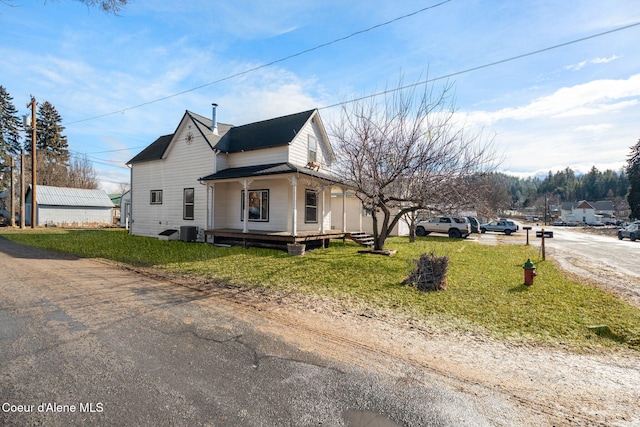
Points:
[[566, 185]]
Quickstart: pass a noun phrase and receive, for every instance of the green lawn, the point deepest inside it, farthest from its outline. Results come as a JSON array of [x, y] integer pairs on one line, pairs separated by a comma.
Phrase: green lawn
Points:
[[485, 290]]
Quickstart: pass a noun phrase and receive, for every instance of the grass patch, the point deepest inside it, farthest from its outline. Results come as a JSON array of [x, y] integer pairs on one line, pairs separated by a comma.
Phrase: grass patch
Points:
[[485, 283]]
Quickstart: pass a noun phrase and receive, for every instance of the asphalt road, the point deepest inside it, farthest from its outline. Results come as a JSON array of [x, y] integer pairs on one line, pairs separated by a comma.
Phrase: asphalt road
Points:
[[622, 255], [86, 343]]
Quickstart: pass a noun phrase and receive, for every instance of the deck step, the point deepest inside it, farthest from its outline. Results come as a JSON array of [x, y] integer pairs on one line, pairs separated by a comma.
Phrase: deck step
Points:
[[362, 239]]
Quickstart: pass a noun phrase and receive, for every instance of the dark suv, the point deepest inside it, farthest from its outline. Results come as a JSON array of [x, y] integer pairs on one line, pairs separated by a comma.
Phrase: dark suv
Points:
[[631, 231]]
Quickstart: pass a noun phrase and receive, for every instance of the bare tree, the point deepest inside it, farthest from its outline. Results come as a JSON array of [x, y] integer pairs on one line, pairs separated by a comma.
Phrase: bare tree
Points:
[[81, 173], [108, 6], [406, 153], [123, 187]]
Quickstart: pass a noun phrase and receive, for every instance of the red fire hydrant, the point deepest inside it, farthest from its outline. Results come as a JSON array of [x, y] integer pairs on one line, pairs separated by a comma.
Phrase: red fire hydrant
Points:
[[529, 272]]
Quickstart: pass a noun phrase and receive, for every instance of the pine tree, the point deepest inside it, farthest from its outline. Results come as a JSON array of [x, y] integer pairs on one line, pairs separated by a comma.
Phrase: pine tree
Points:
[[9, 136], [9, 126], [49, 136], [633, 174], [51, 145]]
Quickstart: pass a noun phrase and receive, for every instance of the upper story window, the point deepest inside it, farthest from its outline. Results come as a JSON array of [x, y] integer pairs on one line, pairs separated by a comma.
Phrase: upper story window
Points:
[[312, 153], [156, 197]]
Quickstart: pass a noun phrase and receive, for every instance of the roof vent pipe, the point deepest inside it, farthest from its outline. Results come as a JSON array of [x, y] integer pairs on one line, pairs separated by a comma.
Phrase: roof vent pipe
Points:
[[214, 120]]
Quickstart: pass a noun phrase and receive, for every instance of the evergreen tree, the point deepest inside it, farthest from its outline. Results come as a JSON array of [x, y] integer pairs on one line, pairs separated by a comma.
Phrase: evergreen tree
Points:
[[9, 136], [51, 145], [49, 136], [9, 126], [633, 174]]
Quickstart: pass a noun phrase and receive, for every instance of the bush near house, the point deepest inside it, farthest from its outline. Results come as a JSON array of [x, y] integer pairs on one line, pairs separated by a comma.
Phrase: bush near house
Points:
[[485, 291]]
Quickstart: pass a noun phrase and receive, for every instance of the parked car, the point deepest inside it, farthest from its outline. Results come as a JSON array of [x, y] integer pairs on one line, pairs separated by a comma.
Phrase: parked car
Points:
[[500, 226], [631, 232], [453, 226]]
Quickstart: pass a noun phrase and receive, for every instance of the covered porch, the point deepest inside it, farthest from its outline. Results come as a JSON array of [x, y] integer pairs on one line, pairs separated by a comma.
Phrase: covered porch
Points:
[[274, 205]]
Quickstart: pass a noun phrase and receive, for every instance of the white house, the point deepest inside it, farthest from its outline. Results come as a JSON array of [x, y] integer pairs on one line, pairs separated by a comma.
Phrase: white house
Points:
[[587, 212], [69, 207], [265, 181]]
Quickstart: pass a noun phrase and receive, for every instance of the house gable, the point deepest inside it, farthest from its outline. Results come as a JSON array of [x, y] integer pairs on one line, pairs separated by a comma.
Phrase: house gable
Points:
[[197, 125], [154, 151], [584, 205], [299, 148]]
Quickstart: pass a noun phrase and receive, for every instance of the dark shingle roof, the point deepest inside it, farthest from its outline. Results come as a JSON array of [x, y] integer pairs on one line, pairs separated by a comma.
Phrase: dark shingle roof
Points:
[[603, 205], [265, 134], [269, 169], [153, 151]]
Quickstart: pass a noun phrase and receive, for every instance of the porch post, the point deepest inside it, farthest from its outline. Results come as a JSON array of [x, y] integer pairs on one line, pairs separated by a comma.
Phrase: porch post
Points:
[[210, 205], [245, 213], [344, 209], [294, 221], [322, 189]]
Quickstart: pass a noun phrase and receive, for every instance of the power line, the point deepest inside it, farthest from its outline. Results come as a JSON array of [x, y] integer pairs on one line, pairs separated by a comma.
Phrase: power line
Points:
[[113, 151], [480, 67], [250, 70]]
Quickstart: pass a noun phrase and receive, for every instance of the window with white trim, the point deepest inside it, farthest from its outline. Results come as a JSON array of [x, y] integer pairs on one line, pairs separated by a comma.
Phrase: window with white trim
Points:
[[156, 197], [310, 206], [189, 199], [258, 205], [312, 152]]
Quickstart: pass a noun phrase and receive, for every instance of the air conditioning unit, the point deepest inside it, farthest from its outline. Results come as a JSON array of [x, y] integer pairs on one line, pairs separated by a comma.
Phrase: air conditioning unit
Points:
[[188, 233]]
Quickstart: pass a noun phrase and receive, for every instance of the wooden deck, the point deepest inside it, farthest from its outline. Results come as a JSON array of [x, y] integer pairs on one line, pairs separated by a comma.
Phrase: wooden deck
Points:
[[274, 239]]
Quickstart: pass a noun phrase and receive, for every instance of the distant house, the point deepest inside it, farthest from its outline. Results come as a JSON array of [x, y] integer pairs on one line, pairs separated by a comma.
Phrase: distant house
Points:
[[587, 212], [116, 199], [267, 180], [125, 210], [69, 207]]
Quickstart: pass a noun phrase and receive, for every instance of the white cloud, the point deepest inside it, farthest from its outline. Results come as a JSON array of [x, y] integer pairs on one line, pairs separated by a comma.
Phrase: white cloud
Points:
[[597, 128], [580, 65], [585, 99]]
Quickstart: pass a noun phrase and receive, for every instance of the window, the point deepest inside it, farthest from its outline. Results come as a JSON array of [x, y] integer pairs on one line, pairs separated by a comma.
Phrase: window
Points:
[[156, 197], [312, 154], [310, 206], [258, 205], [188, 203]]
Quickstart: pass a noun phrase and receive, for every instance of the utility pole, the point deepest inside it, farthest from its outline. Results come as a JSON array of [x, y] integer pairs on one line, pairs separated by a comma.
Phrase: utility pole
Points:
[[22, 190], [12, 221], [33, 104]]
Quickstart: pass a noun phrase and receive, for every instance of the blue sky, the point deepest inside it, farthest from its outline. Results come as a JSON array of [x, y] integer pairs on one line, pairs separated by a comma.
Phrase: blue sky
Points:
[[575, 106]]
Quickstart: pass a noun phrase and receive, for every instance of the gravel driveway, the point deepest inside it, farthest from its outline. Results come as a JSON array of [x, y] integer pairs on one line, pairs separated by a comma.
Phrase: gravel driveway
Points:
[[488, 382]]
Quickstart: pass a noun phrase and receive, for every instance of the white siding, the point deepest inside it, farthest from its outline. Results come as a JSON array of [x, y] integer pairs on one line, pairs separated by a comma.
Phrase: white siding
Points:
[[354, 209], [228, 205], [182, 166], [255, 157], [298, 150], [228, 202]]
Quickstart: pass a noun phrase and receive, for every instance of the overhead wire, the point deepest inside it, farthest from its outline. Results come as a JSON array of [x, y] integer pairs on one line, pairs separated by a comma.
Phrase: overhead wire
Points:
[[250, 70], [480, 67]]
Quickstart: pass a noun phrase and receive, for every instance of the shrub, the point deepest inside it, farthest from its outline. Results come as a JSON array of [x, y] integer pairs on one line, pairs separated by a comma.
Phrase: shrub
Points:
[[430, 273]]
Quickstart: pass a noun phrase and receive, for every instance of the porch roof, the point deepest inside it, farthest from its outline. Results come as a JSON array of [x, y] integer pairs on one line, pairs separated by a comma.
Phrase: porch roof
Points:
[[268, 169]]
